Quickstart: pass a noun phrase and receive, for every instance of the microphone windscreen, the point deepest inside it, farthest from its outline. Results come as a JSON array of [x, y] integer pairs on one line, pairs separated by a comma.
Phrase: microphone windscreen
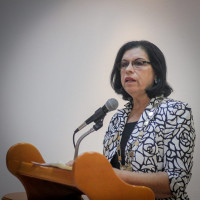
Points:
[[111, 104]]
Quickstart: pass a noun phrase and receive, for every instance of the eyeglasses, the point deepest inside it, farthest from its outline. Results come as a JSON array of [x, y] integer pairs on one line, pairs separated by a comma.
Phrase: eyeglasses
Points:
[[136, 64]]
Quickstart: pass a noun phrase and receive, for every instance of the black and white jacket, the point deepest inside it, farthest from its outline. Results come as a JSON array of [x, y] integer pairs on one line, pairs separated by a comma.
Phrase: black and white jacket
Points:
[[167, 144]]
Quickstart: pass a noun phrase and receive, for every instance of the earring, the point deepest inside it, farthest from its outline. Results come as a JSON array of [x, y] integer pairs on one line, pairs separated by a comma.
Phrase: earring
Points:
[[156, 80]]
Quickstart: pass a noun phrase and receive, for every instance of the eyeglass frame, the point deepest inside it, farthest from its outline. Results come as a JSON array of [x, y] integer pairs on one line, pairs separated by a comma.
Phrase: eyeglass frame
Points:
[[132, 64]]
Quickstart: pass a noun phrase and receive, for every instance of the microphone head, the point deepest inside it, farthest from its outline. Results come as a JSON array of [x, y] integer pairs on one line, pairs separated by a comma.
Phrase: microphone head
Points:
[[111, 104]]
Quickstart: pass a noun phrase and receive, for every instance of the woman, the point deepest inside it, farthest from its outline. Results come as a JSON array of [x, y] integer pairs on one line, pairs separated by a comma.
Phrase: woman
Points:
[[152, 135]]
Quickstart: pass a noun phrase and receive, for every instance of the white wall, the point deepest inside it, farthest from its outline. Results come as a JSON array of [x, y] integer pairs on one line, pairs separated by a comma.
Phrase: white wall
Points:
[[55, 62]]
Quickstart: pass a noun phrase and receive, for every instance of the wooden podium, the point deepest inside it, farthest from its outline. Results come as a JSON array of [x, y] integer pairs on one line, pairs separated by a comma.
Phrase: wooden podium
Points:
[[91, 175]]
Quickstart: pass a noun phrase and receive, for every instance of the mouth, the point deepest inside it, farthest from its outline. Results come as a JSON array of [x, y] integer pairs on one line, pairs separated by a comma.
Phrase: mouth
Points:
[[129, 80]]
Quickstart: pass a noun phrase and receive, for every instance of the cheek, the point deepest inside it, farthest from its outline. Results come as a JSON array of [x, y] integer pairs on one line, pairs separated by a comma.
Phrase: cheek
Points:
[[122, 78], [147, 79], [150, 81]]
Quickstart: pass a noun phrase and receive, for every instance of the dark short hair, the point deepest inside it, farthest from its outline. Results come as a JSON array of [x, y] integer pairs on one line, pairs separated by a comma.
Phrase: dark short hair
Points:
[[158, 64]]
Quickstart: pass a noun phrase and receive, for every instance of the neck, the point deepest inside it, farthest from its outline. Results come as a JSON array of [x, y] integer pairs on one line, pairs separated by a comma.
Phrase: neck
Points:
[[140, 103]]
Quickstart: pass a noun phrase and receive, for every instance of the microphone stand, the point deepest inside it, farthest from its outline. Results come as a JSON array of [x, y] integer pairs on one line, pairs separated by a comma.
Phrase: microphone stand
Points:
[[97, 126]]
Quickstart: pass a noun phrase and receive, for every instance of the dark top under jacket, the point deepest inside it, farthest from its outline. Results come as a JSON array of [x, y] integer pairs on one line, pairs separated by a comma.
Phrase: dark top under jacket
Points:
[[128, 129]]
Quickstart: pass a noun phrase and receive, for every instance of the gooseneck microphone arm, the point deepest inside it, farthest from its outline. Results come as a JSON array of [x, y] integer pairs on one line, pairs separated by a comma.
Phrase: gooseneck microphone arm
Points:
[[96, 127], [99, 114], [97, 118]]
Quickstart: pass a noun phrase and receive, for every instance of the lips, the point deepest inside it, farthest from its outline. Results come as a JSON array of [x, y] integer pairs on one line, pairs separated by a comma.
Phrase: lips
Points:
[[129, 80]]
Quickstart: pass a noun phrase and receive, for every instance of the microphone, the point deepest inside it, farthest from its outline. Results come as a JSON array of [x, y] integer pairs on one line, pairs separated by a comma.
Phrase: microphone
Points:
[[110, 105]]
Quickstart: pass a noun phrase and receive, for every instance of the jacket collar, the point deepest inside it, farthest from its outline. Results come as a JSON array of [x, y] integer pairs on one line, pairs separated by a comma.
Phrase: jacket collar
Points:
[[128, 107], [152, 103]]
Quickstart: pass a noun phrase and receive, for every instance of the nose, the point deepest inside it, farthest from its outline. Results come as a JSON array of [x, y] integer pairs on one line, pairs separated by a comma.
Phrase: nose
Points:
[[130, 67]]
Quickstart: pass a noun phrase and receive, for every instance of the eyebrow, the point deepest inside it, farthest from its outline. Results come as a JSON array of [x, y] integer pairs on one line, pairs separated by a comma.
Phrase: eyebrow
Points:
[[133, 60]]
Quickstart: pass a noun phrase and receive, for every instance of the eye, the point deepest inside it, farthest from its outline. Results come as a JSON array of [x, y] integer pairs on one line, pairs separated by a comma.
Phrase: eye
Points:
[[138, 63], [124, 64]]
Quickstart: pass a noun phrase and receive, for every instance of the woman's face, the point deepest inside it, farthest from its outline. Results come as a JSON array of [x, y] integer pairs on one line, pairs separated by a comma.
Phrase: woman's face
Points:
[[136, 76]]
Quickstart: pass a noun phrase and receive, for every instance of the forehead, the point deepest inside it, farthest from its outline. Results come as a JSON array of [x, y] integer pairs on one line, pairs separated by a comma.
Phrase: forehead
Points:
[[135, 53]]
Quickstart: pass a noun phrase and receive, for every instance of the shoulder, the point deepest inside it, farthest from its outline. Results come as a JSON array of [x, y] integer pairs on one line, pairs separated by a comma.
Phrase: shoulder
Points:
[[177, 111], [175, 105]]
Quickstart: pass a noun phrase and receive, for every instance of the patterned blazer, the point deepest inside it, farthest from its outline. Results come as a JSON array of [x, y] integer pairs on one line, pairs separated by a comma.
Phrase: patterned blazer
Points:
[[166, 145]]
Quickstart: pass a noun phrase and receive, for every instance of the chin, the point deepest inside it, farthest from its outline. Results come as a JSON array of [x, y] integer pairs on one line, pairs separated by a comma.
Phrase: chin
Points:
[[136, 93]]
